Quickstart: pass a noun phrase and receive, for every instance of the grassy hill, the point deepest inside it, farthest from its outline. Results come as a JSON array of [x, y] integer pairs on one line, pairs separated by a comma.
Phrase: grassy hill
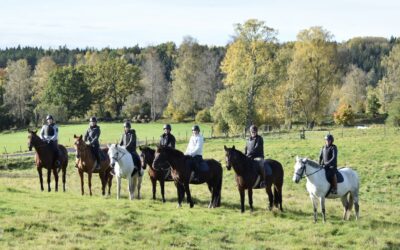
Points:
[[36, 220]]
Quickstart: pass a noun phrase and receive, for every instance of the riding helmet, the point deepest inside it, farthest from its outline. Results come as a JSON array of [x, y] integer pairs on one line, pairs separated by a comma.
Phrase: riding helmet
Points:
[[329, 137], [127, 125], [167, 126], [253, 128], [48, 117], [93, 119], [196, 128]]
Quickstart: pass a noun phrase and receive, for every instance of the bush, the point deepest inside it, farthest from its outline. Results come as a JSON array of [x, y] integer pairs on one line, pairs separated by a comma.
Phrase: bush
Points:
[[178, 116], [203, 116], [394, 113], [344, 115], [221, 127]]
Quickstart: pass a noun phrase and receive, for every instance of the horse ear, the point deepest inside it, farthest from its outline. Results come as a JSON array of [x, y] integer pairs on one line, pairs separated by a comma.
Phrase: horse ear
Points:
[[225, 148], [80, 137], [29, 130], [75, 136], [297, 158], [233, 147], [34, 131], [108, 145]]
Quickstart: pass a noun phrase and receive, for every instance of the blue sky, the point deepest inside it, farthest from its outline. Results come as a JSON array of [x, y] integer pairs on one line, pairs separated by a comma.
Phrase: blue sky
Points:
[[118, 23]]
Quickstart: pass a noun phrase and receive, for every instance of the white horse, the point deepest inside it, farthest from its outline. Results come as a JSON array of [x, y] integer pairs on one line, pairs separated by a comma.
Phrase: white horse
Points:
[[318, 186], [121, 161]]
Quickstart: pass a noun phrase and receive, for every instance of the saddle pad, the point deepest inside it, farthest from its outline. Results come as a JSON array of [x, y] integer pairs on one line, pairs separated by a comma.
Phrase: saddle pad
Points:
[[339, 176], [267, 168]]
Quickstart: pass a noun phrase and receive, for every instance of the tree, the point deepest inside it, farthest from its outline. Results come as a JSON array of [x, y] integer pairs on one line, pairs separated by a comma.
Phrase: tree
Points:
[[112, 81], [394, 113], [67, 88], [354, 89], [373, 104], [344, 115], [313, 72], [18, 90], [248, 63], [154, 83]]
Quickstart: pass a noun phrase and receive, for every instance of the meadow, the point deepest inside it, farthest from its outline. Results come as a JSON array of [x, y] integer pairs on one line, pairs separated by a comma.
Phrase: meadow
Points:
[[31, 219]]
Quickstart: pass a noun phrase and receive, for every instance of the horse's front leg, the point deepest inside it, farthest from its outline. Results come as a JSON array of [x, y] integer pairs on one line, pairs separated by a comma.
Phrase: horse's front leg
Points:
[[55, 173], [315, 206], [39, 170], [188, 195], [250, 194], [131, 187], [162, 183], [139, 186], [180, 191], [118, 187], [103, 180], [48, 179], [322, 201], [82, 181], [241, 192], [154, 186], [109, 177], [90, 182]]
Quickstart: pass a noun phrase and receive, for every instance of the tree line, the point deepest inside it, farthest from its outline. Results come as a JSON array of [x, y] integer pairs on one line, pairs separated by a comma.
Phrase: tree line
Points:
[[254, 79]]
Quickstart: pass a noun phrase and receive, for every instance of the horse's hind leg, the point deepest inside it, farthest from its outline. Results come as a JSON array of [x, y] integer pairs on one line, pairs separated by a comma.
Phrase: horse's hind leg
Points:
[[55, 173], [250, 194], [270, 195], [154, 186], [356, 205], [322, 201], [64, 173], [345, 204], [180, 190], [315, 207], [39, 170], [188, 195], [162, 185], [109, 178], [103, 180], [48, 179]]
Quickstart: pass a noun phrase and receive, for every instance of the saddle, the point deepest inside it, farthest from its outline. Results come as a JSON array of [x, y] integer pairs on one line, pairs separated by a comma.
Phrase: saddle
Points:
[[329, 175], [196, 169], [261, 166]]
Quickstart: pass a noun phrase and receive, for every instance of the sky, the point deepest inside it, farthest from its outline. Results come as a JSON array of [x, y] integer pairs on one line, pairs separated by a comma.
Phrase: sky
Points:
[[119, 23]]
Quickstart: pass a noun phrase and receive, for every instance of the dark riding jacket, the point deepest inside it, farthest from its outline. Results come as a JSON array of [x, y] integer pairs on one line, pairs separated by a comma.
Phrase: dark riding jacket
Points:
[[92, 136], [328, 156], [128, 140], [167, 140], [254, 147], [49, 132]]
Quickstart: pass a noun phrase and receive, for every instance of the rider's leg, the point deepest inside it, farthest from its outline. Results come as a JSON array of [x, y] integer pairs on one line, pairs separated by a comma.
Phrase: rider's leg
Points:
[[334, 184], [97, 156]]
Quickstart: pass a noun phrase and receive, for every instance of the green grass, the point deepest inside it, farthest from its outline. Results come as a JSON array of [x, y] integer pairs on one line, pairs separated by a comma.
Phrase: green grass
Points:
[[33, 219], [12, 142]]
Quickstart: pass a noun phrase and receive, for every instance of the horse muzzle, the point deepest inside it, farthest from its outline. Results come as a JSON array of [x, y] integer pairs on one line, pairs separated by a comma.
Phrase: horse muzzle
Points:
[[113, 164]]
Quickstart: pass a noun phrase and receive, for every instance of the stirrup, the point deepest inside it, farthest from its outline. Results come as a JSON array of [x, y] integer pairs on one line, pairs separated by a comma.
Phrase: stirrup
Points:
[[334, 191]]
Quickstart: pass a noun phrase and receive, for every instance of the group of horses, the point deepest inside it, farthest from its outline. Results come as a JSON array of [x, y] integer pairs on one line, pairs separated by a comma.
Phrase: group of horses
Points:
[[168, 164]]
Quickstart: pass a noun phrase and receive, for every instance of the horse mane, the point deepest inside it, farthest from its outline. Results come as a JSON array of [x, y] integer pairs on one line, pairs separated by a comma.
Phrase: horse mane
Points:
[[118, 147], [312, 163], [143, 148], [172, 151]]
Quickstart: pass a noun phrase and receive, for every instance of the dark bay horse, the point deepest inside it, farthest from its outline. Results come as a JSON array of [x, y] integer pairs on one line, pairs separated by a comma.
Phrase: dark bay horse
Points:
[[44, 158], [181, 166], [85, 164], [247, 174], [160, 175]]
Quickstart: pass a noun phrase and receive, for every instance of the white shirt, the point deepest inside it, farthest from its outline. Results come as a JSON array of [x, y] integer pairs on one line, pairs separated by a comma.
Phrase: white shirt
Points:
[[49, 138], [195, 146]]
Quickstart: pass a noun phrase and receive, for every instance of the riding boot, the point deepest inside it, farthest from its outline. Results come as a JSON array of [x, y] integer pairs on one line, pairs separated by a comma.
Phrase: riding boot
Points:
[[98, 161], [334, 184]]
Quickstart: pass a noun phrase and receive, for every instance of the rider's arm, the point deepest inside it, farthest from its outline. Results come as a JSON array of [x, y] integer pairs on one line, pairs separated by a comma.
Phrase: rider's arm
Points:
[[197, 150], [172, 141], [85, 138], [96, 136], [321, 156], [189, 147], [334, 155]]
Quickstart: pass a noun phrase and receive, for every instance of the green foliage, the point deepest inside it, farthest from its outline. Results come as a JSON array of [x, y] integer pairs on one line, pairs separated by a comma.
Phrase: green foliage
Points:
[[221, 127], [178, 116], [203, 116], [373, 104], [344, 115], [394, 113], [68, 89]]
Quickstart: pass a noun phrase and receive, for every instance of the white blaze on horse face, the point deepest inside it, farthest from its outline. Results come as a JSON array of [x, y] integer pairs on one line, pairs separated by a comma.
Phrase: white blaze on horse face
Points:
[[297, 167]]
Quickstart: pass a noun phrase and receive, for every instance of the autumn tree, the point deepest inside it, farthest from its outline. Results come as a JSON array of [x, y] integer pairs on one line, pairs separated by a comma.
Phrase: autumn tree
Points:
[[354, 88], [344, 115]]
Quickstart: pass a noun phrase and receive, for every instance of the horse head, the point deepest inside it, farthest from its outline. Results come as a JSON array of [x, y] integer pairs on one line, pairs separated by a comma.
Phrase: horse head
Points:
[[229, 156], [79, 144], [161, 158], [299, 169], [33, 138], [113, 153], [146, 156]]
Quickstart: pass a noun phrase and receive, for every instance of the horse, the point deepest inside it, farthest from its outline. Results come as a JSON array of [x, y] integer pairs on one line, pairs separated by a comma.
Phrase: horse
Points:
[[86, 163], [181, 168], [318, 187], [122, 162], [160, 175], [44, 158], [247, 177]]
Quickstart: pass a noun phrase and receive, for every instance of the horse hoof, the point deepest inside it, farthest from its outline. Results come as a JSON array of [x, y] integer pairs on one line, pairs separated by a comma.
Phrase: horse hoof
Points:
[[191, 205], [179, 206]]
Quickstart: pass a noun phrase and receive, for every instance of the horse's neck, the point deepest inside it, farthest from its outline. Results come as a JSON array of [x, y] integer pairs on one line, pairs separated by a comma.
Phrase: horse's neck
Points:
[[86, 154], [314, 174], [40, 147], [176, 162], [241, 166]]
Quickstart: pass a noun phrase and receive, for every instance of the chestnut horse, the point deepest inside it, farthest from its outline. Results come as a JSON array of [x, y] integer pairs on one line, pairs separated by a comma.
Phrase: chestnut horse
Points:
[[181, 166], [247, 175], [44, 158], [160, 175], [85, 164]]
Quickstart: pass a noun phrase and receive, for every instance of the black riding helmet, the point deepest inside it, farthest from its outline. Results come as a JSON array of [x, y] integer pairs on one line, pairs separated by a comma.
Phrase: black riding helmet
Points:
[[48, 117], [196, 128], [93, 119], [329, 137], [167, 126], [127, 125]]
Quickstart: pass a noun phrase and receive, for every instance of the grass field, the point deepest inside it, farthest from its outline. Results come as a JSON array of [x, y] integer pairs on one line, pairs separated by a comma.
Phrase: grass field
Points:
[[110, 133], [30, 219]]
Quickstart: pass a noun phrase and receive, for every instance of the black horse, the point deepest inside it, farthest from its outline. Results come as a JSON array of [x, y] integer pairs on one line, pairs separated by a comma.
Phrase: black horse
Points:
[[247, 177], [182, 166]]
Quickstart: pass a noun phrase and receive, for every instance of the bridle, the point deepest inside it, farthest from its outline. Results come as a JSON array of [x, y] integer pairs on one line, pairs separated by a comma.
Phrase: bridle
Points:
[[303, 170], [156, 157], [116, 158]]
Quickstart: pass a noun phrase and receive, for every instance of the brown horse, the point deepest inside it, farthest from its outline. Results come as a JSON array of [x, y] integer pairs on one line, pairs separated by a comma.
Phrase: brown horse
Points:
[[182, 166], [85, 164], [44, 158], [247, 176], [160, 175]]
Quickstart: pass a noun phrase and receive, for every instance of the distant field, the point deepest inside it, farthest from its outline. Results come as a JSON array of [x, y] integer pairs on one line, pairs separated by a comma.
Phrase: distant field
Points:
[[30, 219], [110, 133]]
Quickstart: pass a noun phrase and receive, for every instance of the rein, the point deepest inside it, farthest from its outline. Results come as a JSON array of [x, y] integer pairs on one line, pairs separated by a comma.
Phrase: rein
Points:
[[303, 171], [116, 157]]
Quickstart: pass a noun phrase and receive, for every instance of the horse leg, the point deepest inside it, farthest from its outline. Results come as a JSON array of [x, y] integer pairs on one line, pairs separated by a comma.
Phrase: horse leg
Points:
[[103, 180], [211, 204], [109, 177], [64, 173], [131, 187], [55, 173], [139, 186], [315, 206], [250, 194], [356, 205], [39, 170], [180, 191], [90, 182], [81, 176], [154, 186], [118, 187], [241, 192], [162, 185], [345, 205], [270, 195], [48, 179], [278, 197], [322, 201], [188, 195]]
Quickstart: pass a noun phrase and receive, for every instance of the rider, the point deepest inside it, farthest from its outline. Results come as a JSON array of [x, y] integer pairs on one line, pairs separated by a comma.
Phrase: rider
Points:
[[195, 148], [167, 139], [328, 159], [49, 134], [255, 147], [92, 136], [128, 140]]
